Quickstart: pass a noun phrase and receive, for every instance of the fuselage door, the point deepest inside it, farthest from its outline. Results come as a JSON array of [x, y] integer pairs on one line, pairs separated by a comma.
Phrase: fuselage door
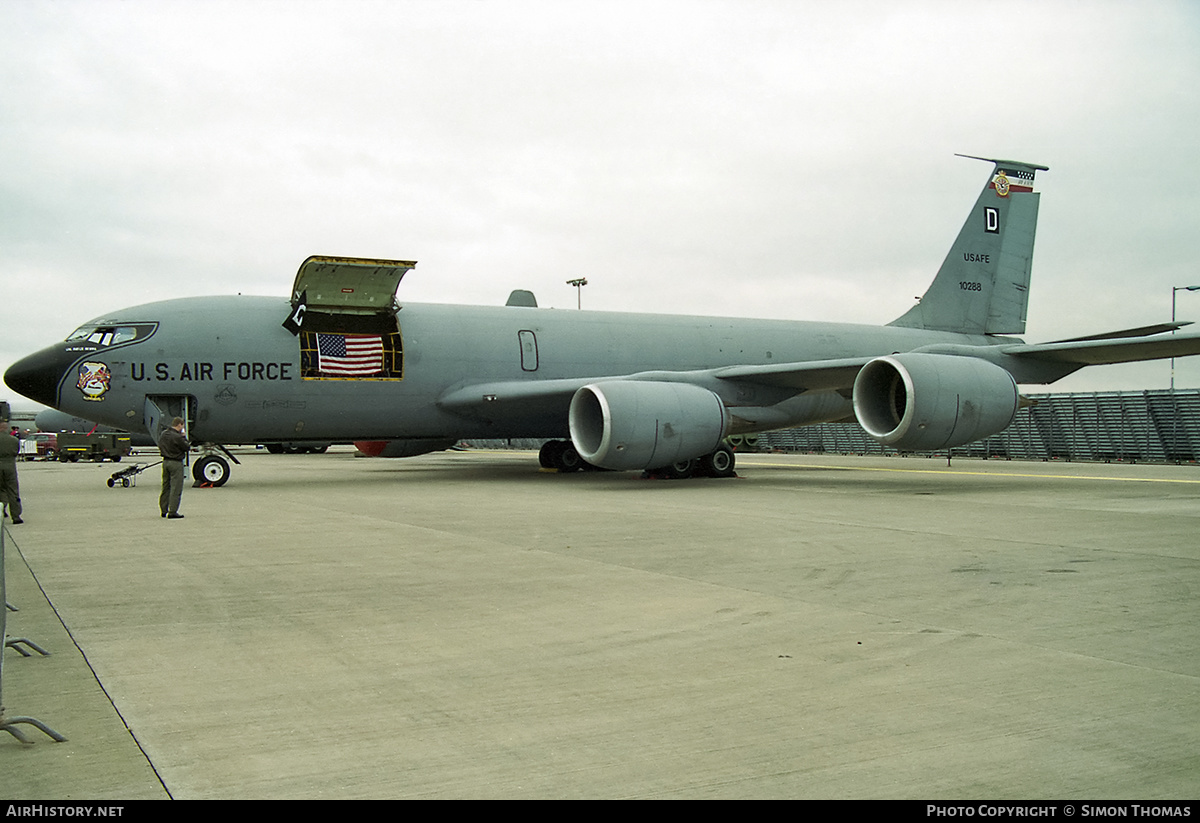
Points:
[[350, 285], [344, 314], [160, 409], [529, 351]]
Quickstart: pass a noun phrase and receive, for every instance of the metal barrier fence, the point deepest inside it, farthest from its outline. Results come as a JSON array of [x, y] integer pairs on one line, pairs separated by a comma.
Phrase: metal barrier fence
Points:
[[1159, 426]]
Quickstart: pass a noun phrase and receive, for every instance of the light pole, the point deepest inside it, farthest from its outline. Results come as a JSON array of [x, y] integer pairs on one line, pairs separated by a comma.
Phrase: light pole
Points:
[[1173, 290], [582, 281]]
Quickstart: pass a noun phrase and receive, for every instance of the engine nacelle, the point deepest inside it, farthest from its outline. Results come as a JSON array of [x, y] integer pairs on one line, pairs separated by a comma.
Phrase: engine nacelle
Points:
[[628, 424], [922, 402]]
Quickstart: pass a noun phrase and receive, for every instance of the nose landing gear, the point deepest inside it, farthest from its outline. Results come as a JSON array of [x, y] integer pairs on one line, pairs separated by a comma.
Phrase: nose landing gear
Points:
[[212, 470]]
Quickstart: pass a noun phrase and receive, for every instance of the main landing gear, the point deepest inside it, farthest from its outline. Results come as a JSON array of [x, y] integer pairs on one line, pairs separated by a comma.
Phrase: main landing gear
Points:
[[717, 464], [561, 455]]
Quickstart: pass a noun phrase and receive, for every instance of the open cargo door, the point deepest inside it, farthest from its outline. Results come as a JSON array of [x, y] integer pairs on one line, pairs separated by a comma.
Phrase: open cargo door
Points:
[[344, 313]]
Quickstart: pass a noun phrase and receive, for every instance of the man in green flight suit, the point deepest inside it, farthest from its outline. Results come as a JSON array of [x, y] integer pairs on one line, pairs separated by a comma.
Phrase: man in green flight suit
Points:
[[173, 447], [10, 492]]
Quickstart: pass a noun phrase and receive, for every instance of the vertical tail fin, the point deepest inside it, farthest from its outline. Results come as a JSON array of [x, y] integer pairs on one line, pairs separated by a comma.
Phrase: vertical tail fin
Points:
[[983, 284]]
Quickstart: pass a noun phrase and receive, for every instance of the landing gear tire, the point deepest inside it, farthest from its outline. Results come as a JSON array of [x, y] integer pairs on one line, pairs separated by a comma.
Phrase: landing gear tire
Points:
[[569, 459], [561, 455], [679, 471], [719, 463], [716, 464], [210, 471]]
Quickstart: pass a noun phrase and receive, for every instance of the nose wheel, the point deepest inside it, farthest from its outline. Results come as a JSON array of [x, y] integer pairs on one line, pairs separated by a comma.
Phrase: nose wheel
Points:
[[210, 470]]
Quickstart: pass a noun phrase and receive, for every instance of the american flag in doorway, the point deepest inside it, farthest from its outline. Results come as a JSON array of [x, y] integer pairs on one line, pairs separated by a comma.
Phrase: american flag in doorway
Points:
[[350, 355]]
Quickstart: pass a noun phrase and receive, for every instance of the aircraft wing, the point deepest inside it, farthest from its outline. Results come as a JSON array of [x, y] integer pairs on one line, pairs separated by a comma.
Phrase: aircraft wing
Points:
[[1133, 345], [799, 377], [1096, 352], [542, 392], [813, 375], [819, 375], [1116, 347]]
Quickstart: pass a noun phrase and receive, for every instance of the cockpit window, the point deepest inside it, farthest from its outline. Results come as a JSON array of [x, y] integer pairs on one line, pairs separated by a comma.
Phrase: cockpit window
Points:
[[105, 336]]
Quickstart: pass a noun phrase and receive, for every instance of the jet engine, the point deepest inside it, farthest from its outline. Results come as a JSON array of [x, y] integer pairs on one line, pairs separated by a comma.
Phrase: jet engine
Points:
[[629, 424], [922, 402]]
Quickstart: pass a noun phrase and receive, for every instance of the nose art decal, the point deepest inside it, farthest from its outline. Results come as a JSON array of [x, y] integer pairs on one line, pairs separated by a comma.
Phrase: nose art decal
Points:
[[94, 378]]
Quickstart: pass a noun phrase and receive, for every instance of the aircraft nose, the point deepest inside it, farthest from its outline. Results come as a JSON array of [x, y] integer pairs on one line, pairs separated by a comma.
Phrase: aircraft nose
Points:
[[38, 375]]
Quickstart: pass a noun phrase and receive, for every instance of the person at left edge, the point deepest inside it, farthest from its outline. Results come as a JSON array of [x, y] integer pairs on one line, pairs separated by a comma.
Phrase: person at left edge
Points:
[[173, 447], [10, 492]]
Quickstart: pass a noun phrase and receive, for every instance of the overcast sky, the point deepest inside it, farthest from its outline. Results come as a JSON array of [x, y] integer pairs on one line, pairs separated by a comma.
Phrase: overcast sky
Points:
[[759, 159]]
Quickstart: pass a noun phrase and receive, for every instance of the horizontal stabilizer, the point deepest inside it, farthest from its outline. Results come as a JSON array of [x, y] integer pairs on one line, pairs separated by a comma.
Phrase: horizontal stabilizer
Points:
[[1111, 350], [1141, 331]]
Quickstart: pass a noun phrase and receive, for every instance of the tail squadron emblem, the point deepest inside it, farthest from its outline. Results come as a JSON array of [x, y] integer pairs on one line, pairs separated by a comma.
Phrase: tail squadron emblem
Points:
[[1001, 183]]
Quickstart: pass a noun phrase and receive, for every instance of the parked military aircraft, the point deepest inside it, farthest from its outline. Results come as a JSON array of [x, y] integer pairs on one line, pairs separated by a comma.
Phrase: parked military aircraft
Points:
[[617, 391], [52, 420]]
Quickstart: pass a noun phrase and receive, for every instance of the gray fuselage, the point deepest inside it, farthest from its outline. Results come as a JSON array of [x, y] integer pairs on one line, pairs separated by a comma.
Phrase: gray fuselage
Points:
[[242, 371]]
